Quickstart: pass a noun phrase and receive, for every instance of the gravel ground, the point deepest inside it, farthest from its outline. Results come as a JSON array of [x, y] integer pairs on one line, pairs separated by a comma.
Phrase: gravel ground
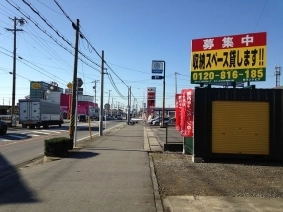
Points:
[[178, 175]]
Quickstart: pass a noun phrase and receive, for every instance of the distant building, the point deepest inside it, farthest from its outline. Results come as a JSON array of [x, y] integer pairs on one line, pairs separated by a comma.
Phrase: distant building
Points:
[[40, 89]]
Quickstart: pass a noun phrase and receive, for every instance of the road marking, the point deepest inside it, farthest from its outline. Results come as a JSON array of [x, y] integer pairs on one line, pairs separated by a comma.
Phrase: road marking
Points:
[[16, 136], [41, 132], [3, 139], [29, 134], [50, 131]]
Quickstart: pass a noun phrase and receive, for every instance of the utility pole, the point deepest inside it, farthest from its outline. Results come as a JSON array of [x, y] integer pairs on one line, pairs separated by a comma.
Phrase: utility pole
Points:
[[118, 111], [22, 22], [108, 101], [74, 88], [94, 88], [176, 82], [109, 96], [129, 105], [112, 107], [101, 96], [277, 74]]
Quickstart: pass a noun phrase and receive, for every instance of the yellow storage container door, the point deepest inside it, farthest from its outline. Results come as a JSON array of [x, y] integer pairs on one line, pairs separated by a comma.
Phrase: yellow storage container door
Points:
[[240, 127]]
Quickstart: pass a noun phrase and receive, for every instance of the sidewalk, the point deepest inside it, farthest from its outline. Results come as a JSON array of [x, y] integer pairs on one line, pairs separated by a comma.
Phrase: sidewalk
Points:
[[112, 173]]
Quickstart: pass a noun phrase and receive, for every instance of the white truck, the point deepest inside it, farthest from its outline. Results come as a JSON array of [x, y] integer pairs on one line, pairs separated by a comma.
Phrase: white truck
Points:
[[94, 113], [34, 113]]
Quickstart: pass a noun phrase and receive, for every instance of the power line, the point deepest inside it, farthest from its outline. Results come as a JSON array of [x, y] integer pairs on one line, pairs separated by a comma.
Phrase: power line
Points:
[[20, 59], [83, 36], [56, 31], [63, 11], [49, 7], [113, 84], [50, 36], [260, 14]]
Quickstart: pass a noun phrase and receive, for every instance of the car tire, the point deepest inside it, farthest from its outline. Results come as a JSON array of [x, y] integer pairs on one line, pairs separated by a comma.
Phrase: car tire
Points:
[[3, 131]]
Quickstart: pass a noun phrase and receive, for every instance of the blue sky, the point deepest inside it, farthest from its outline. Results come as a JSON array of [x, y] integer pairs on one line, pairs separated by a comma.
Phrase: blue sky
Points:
[[132, 33]]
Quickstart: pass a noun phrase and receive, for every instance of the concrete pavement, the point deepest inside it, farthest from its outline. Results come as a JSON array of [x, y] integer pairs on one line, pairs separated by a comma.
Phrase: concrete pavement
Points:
[[109, 173]]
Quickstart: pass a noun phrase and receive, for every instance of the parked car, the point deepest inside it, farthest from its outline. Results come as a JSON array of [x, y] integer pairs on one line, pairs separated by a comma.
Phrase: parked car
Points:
[[170, 122], [159, 120], [151, 120], [119, 117], [3, 127]]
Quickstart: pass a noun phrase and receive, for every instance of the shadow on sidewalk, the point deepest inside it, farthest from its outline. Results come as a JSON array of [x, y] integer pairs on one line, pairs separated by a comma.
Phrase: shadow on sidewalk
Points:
[[81, 154], [113, 149], [13, 188]]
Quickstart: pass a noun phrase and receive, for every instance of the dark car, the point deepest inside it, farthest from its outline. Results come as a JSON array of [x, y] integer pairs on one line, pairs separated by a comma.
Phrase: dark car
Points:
[[170, 122], [152, 120], [119, 117], [157, 121], [3, 127], [82, 118]]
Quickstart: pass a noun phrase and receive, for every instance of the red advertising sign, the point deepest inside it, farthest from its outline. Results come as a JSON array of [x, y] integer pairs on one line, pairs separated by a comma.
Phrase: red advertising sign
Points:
[[151, 95], [150, 99], [232, 58], [187, 112], [178, 102]]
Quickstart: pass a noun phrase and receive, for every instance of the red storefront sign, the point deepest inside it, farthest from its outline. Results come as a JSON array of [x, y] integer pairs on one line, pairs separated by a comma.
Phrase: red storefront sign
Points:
[[151, 99]]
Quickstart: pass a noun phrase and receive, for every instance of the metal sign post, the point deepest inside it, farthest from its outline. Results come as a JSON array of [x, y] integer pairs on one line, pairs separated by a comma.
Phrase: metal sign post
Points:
[[158, 67]]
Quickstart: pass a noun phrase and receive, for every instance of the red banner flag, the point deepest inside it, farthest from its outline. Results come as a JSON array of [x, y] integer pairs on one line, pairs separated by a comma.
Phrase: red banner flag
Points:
[[178, 98], [187, 116]]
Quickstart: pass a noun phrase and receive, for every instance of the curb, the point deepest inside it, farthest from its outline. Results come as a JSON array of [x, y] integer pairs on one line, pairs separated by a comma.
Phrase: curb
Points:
[[158, 202], [151, 143], [167, 205]]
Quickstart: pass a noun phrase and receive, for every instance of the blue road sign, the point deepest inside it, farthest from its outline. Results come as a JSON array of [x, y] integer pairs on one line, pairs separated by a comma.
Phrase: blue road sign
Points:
[[157, 77], [157, 67]]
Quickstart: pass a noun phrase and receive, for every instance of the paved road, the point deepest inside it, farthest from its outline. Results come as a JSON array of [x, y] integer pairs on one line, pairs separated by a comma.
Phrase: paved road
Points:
[[22, 145]]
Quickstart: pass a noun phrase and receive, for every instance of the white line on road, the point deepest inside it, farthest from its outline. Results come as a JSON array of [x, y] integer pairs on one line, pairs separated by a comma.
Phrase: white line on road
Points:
[[16, 136], [29, 134], [50, 131], [3, 139], [41, 132]]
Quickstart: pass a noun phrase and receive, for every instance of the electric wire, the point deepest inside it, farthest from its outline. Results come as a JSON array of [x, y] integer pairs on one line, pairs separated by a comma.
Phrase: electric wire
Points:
[[21, 59], [261, 14], [49, 7], [56, 31], [50, 36], [109, 76]]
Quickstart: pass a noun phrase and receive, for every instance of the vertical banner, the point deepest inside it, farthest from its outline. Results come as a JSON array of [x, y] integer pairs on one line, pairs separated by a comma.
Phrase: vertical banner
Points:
[[151, 95], [187, 112], [178, 102]]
